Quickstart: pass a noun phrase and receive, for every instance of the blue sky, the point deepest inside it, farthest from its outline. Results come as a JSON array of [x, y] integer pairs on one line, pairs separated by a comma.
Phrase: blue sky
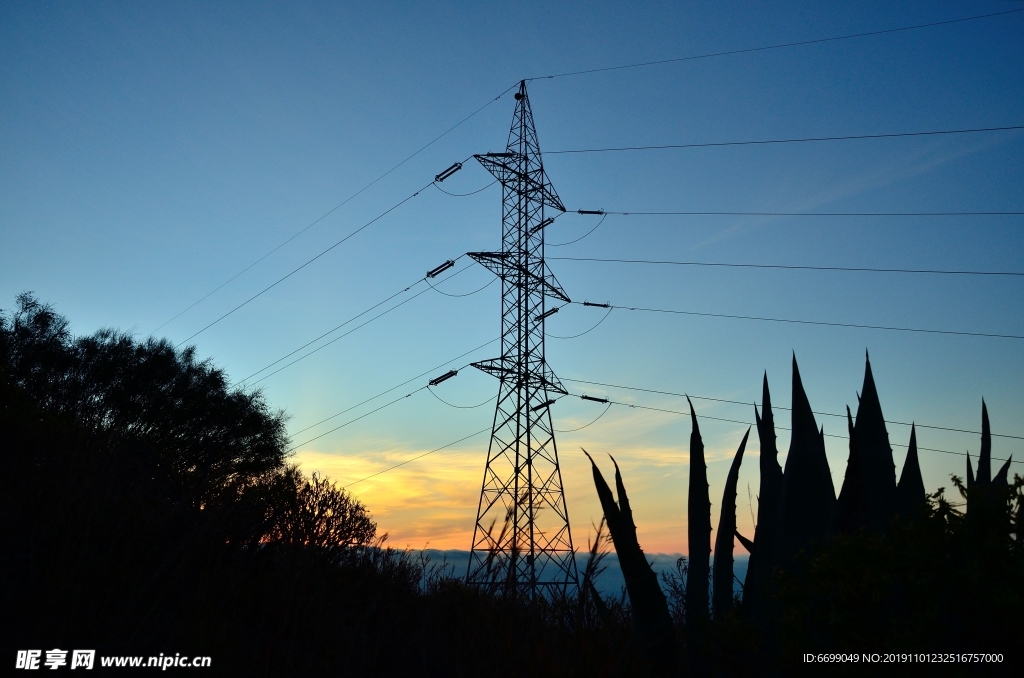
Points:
[[152, 151]]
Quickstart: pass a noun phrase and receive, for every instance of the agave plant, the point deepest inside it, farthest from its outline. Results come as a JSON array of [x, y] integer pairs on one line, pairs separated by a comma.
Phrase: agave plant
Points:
[[984, 476], [762, 549], [723, 576], [911, 498], [808, 498], [850, 513], [984, 491], [877, 468], [870, 496], [651, 620], [698, 530]]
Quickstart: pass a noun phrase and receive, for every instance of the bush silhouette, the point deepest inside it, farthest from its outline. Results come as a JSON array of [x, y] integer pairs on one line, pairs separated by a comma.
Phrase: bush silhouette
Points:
[[318, 514]]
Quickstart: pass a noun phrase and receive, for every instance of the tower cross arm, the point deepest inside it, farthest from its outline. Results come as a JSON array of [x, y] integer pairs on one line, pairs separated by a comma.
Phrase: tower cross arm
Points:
[[501, 166], [503, 264], [503, 369]]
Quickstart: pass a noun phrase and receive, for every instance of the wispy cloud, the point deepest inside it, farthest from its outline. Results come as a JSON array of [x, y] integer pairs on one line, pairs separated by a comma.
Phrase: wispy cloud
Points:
[[898, 167]]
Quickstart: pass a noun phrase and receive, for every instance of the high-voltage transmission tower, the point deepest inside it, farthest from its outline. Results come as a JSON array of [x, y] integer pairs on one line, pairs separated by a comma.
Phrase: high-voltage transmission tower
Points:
[[521, 542]]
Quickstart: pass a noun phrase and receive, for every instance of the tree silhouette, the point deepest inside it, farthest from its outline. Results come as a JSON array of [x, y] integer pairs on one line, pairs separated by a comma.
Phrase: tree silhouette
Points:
[[319, 514], [210, 439]]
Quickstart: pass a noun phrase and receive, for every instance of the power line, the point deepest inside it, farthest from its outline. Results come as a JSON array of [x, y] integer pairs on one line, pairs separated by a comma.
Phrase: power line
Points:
[[780, 407], [333, 329], [460, 407], [397, 386], [857, 269], [594, 421], [765, 142], [308, 262], [466, 294], [574, 336], [357, 327], [339, 338], [464, 195], [784, 428], [819, 214], [609, 403], [812, 322], [340, 205], [777, 46], [420, 456], [361, 416], [563, 244], [566, 74]]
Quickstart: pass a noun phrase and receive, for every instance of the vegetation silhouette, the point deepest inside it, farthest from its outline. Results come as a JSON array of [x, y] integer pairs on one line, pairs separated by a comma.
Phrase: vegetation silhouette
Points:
[[651, 619], [148, 506], [722, 597], [884, 567]]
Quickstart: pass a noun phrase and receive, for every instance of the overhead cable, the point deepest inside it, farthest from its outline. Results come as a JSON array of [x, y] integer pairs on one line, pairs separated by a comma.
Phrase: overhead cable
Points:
[[783, 428], [817, 214], [332, 330], [361, 416], [354, 329], [419, 456], [776, 406], [465, 294], [814, 322], [463, 195], [856, 269], [307, 263], [427, 386], [801, 140], [783, 45], [342, 203], [574, 336], [397, 386], [608, 406], [460, 407], [562, 244]]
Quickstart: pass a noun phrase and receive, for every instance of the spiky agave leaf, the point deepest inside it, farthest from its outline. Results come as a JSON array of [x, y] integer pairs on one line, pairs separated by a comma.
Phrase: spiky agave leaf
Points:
[[910, 494], [984, 476], [722, 596], [808, 497], [987, 516], [762, 555], [849, 515], [698, 528], [878, 471], [651, 619], [626, 512], [1001, 478], [981, 481], [747, 544], [604, 493]]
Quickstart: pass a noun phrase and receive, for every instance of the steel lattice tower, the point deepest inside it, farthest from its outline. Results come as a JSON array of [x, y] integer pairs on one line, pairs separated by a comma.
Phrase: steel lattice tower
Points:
[[521, 542]]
